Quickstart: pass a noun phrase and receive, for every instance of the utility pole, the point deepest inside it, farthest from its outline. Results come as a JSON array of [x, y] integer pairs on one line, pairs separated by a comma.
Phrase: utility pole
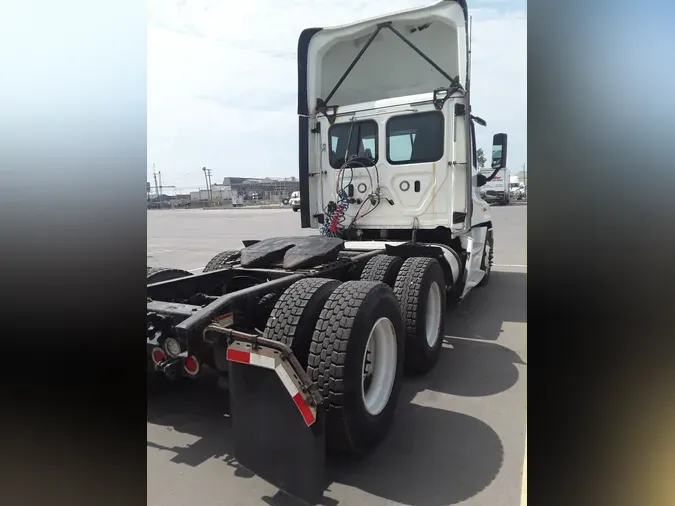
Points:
[[160, 189], [154, 175], [208, 172], [208, 189]]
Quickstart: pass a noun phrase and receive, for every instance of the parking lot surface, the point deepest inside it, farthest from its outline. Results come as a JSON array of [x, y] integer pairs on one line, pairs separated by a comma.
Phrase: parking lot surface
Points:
[[459, 432]]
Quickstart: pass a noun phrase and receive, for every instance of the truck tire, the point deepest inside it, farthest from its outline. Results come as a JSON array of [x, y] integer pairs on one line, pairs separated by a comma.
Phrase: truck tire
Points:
[[295, 314], [488, 254], [218, 261], [356, 360], [158, 274], [420, 290], [382, 268]]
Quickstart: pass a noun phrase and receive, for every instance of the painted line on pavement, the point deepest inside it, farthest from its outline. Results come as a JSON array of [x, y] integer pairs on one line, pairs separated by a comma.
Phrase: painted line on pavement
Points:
[[523, 494]]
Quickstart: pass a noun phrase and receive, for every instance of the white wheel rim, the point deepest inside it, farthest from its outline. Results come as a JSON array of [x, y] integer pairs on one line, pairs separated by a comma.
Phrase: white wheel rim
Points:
[[433, 317], [379, 366]]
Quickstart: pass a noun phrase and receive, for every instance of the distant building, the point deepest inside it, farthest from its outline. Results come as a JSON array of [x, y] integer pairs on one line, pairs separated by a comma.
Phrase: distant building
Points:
[[269, 189], [219, 193]]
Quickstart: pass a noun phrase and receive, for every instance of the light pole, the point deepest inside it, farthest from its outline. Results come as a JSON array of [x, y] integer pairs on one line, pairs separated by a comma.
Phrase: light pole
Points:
[[208, 173], [160, 188], [154, 175], [208, 190]]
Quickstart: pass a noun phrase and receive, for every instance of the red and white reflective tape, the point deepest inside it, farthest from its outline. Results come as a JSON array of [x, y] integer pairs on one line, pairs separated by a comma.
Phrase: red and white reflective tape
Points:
[[308, 413], [246, 357]]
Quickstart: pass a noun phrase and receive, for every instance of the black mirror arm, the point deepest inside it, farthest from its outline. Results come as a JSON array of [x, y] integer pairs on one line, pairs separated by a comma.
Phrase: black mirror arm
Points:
[[478, 120], [482, 180]]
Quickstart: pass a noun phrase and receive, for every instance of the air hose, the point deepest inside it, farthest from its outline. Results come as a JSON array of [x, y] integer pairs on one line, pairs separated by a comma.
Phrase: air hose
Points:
[[335, 216]]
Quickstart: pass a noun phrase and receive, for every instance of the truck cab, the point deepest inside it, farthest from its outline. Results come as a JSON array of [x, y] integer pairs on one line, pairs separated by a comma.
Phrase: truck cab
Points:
[[387, 145]]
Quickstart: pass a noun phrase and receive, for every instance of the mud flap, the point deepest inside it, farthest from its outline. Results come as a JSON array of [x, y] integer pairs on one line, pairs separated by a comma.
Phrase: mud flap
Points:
[[274, 437]]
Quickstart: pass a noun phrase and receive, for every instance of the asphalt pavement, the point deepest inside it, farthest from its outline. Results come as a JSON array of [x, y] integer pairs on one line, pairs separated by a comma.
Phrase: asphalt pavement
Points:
[[459, 434]]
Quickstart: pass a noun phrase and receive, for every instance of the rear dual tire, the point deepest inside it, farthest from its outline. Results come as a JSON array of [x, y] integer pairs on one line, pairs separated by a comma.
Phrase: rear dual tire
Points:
[[420, 290], [365, 334], [360, 323], [295, 314], [354, 355], [382, 268]]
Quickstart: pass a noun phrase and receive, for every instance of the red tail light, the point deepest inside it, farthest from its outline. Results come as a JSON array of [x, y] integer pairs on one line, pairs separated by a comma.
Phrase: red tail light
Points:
[[158, 356], [191, 365]]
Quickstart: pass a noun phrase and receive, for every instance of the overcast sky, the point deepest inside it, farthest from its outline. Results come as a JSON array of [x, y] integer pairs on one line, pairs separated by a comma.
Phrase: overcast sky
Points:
[[222, 81]]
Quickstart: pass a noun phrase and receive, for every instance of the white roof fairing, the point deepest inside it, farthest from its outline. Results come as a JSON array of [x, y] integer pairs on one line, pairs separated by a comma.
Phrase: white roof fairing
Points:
[[389, 67]]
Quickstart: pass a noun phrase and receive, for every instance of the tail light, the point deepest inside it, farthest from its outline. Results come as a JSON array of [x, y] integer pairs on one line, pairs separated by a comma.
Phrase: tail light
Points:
[[158, 356], [191, 365]]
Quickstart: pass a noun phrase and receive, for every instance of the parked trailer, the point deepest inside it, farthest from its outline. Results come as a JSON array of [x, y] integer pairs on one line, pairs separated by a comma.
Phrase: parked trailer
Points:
[[498, 190], [312, 335]]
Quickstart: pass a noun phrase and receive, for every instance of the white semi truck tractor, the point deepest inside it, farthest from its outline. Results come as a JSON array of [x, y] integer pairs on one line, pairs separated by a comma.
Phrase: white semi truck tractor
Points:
[[313, 334]]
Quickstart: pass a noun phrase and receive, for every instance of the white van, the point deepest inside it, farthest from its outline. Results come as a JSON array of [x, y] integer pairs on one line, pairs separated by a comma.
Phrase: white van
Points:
[[294, 202]]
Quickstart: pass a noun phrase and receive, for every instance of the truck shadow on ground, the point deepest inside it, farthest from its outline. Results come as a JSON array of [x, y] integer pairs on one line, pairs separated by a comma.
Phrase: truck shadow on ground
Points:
[[431, 457], [482, 314], [198, 408], [474, 369]]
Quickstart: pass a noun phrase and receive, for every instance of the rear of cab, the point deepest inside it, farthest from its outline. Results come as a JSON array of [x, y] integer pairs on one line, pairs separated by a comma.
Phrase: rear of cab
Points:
[[394, 106]]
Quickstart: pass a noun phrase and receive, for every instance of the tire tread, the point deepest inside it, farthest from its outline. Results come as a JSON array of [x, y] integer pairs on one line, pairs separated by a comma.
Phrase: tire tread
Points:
[[327, 352], [219, 261], [165, 274], [382, 268], [290, 318], [408, 290]]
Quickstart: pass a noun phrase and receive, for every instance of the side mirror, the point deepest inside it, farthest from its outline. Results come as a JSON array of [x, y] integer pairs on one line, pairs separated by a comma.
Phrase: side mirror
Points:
[[499, 151]]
